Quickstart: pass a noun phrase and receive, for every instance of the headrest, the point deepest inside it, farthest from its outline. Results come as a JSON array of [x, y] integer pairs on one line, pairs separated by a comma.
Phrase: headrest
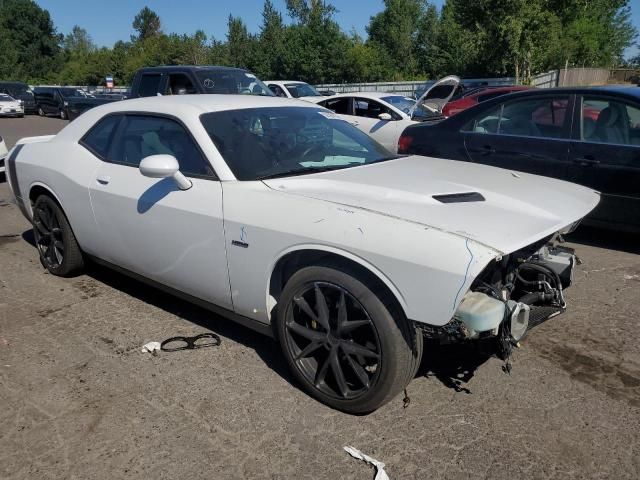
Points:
[[609, 116]]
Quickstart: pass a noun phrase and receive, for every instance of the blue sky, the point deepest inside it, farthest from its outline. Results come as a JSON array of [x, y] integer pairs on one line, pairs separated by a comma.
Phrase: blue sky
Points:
[[109, 21]]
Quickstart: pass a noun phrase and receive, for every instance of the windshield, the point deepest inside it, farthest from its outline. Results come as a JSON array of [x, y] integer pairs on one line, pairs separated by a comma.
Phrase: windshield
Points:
[[6, 98], [71, 92], [232, 81], [405, 104], [269, 142], [298, 90]]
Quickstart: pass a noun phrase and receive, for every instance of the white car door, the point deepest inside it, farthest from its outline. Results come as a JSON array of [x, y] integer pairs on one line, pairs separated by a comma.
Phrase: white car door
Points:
[[367, 118], [151, 227]]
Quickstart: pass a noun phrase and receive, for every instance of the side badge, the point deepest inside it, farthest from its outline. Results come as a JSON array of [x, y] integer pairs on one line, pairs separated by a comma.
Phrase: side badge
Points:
[[243, 239]]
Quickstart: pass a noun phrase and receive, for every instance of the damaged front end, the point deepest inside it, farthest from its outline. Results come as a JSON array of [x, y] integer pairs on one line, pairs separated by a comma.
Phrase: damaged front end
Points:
[[512, 295]]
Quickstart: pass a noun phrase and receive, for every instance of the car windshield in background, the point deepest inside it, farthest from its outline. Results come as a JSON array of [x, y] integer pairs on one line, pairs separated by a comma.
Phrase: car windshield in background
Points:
[[233, 82], [405, 105], [6, 98], [298, 90], [71, 92], [260, 143]]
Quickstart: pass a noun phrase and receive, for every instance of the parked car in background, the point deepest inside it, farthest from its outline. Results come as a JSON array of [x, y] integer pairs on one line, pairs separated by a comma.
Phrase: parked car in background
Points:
[[55, 100], [383, 116], [181, 80], [590, 136], [293, 89], [3, 154], [345, 254], [10, 107], [20, 91], [474, 96]]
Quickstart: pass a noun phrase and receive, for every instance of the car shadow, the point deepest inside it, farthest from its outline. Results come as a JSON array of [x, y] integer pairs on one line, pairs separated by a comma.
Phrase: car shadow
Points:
[[609, 239], [454, 365], [266, 348], [155, 193]]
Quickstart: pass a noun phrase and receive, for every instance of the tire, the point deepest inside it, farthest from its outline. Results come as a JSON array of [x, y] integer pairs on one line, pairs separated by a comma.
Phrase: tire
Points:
[[41, 111], [63, 114], [57, 246], [377, 350]]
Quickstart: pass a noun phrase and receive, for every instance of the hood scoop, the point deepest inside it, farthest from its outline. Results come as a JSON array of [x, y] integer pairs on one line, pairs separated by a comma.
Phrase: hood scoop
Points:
[[464, 197]]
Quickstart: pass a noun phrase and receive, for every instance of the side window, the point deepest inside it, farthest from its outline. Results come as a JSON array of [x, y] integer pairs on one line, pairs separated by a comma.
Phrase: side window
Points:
[[339, 105], [98, 139], [149, 85], [540, 117], [277, 91], [141, 136], [371, 109], [609, 121], [180, 84], [486, 122]]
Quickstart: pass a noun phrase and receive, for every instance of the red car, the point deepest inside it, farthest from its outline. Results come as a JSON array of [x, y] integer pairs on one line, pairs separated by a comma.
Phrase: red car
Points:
[[476, 96]]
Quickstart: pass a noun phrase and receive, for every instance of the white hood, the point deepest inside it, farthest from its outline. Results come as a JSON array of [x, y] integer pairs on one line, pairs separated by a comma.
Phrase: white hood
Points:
[[518, 209]]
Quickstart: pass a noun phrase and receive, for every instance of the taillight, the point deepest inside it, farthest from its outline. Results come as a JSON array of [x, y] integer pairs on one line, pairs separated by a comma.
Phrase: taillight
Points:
[[404, 143]]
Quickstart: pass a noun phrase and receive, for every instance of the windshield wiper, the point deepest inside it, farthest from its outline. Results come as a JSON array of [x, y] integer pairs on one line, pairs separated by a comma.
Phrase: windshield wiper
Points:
[[298, 171]]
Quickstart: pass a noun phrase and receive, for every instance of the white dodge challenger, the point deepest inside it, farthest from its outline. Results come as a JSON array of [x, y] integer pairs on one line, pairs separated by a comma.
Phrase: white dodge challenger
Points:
[[280, 216]]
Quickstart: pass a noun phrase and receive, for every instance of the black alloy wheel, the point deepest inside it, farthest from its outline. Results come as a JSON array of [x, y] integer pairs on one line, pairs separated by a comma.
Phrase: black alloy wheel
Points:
[[48, 235], [345, 340], [56, 243], [333, 340]]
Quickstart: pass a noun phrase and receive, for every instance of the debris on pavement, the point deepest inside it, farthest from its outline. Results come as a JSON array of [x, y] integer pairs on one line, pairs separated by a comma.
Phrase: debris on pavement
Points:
[[175, 344], [379, 466], [151, 347]]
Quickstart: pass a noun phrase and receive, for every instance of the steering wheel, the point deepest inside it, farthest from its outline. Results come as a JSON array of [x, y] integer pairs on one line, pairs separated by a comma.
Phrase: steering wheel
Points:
[[310, 149]]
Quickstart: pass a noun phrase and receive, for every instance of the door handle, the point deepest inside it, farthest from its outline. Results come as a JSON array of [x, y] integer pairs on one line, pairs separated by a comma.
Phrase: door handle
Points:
[[486, 150], [586, 161], [103, 179]]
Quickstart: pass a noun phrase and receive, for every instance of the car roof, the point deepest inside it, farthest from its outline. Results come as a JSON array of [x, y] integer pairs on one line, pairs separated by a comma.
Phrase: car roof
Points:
[[201, 103], [286, 82], [629, 90], [176, 68], [374, 95]]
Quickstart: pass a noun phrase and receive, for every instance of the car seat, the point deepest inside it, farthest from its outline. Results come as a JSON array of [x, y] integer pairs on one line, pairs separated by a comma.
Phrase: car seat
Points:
[[612, 125]]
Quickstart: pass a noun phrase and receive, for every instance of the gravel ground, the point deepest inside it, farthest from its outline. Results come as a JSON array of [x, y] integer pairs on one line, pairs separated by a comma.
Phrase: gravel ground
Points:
[[78, 400]]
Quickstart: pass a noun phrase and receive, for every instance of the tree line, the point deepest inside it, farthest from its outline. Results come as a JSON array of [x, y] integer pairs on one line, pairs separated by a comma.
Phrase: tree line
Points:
[[408, 39]]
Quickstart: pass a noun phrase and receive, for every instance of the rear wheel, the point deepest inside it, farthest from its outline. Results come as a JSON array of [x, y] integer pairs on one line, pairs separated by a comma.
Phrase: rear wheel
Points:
[[57, 245], [345, 343], [41, 111]]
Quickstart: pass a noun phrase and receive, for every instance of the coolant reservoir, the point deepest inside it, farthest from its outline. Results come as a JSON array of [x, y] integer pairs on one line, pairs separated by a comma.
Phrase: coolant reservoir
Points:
[[480, 313]]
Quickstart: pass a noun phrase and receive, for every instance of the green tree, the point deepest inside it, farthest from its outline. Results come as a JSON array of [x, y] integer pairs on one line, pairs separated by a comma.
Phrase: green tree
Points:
[[240, 43], [395, 29], [78, 42], [269, 52], [147, 24], [29, 41]]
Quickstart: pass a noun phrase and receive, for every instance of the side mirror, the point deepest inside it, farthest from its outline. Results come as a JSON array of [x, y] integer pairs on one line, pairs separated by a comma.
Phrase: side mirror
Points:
[[164, 166], [385, 116]]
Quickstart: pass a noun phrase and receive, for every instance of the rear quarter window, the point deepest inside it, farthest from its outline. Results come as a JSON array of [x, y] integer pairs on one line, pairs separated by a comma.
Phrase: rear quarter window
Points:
[[98, 139]]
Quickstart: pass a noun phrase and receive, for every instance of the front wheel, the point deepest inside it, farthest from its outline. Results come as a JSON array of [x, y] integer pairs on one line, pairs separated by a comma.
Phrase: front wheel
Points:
[[41, 112], [63, 114], [345, 343], [57, 245]]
